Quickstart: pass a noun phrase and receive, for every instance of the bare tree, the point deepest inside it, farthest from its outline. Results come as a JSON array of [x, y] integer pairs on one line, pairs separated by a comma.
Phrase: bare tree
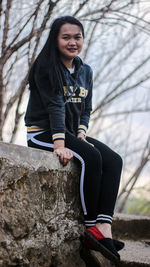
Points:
[[116, 46], [127, 189], [16, 45]]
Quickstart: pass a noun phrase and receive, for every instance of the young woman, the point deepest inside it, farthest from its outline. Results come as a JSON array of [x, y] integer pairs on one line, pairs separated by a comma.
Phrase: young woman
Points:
[[57, 119]]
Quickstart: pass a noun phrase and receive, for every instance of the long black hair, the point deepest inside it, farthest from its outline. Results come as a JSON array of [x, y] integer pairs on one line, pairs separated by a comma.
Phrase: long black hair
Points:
[[48, 61]]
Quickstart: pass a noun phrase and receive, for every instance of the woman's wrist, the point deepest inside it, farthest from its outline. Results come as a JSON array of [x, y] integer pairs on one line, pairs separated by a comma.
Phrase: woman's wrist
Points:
[[81, 135], [82, 132], [59, 144]]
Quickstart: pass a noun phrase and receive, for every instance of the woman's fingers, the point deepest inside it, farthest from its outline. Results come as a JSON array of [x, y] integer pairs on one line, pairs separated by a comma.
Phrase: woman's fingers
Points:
[[65, 161], [64, 158], [67, 155], [64, 154], [84, 139], [61, 158], [89, 143]]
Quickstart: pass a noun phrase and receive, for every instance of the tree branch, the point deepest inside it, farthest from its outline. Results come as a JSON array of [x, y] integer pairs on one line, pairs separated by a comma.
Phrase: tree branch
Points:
[[80, 7], [107, 100], [6, 24], [12, 49]]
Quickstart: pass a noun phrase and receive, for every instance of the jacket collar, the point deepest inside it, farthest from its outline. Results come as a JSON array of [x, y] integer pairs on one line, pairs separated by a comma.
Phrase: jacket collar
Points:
[[77, 62]]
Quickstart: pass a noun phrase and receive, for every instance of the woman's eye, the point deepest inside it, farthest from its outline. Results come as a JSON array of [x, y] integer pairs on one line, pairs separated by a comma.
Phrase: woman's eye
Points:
[[76, 38]]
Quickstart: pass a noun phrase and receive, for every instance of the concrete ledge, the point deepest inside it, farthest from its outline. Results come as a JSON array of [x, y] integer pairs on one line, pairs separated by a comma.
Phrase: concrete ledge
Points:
[[41, 218], [33, 158], [131, 227]]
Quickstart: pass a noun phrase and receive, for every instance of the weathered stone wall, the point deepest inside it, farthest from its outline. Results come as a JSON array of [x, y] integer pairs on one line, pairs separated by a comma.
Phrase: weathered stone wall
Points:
[[41, 218]]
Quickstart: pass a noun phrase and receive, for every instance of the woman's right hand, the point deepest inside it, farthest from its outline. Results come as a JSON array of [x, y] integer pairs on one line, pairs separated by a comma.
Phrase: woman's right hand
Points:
[[63, 152]]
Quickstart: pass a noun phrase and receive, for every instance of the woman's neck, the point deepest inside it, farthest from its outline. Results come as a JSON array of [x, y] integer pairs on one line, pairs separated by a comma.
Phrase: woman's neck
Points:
[[68, 63]]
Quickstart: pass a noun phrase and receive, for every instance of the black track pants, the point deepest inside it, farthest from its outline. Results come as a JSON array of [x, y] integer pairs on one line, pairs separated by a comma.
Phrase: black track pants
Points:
[[100, 173]]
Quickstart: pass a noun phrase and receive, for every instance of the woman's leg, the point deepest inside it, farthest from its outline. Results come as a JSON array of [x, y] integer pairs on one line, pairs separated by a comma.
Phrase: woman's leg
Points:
[[111, 172], [90, 159], [90, 188], [40, 139], [90, 181]]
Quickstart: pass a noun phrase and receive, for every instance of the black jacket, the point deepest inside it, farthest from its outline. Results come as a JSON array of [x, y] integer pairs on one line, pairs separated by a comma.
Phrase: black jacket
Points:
[[67, 110]]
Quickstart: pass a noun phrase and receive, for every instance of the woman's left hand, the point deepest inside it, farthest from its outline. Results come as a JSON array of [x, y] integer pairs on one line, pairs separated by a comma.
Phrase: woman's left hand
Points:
[[82, 137]]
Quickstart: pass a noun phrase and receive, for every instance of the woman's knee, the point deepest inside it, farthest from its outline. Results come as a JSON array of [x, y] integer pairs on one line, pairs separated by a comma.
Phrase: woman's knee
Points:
[[118, 160]]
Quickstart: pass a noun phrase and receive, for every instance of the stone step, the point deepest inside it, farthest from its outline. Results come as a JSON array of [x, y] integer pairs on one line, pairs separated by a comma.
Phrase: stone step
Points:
[[135, 254], [131, 227]]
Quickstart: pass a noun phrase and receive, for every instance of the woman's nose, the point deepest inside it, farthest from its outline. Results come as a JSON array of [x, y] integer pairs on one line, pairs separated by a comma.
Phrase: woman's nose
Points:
[[72, 42]]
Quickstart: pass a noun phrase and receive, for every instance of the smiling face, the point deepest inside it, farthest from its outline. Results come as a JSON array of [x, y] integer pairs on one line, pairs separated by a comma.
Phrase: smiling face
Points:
[[70, 42]]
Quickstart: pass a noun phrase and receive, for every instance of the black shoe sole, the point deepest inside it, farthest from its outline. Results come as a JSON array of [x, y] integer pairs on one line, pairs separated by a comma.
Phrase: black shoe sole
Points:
[[99, 247]]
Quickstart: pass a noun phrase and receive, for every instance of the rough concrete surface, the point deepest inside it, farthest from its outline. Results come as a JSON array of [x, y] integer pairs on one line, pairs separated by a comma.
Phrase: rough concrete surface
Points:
[[41, 218], [136, 252]]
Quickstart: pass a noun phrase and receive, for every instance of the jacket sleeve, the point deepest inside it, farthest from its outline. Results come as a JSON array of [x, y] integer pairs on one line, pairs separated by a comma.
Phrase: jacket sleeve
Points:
[[54, 104], [85, 116]]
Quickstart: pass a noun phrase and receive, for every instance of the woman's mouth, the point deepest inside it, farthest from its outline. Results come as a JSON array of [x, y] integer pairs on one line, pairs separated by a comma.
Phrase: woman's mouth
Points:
[[72, 50]]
